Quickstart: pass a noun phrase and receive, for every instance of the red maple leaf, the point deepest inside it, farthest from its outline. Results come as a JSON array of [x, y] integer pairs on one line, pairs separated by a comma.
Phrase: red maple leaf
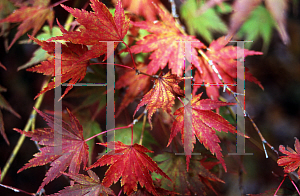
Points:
[[132, 164], [203, 123], [97, 27], [69, 71], [162, 95], [87, 185], [167, 42], [291, 162], [143, 8], [74, 149], [225, 60], [137, 85], [31, 17]]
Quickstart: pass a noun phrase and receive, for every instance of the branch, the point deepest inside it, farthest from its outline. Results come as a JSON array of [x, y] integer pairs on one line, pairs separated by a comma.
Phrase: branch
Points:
[[27, 127], [210, 62]]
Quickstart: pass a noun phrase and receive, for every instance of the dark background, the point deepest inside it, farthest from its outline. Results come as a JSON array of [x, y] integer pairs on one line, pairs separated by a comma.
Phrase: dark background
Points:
[[276, 111]]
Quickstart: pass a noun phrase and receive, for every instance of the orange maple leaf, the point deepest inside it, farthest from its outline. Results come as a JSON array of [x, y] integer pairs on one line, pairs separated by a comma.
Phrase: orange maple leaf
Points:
[[143, 8], [74, 149], [225, 60], [132, 164], [87, 185], [70, 53], [203, 124], [137, 85], [97, 27], [167, 42], [31, 17], [291, 162], [162, 95]]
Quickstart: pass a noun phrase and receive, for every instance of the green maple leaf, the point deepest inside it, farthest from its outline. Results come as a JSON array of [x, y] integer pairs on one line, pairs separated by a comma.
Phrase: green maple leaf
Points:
[[202, 24], [260, 24]]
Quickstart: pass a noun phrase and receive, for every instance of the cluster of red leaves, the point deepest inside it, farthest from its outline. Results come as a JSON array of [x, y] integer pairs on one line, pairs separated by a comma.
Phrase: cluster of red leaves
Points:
[[225, 60], [75, 54], [167, 43]]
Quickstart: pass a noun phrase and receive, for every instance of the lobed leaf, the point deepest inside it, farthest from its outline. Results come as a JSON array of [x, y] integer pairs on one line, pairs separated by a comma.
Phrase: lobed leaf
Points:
[[167, 44], [162, 95], [31, 17], [74, 150], [199, 121], [291, 162], [132, 164], [86, 185]]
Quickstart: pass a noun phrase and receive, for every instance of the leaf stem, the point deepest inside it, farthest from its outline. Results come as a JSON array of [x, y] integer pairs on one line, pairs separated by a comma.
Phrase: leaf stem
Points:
[[113, 64], [180, 100], [57, 3], [131, 135], [211, 63], [22, 137], [143, 129], [130, 54], [16, 190]]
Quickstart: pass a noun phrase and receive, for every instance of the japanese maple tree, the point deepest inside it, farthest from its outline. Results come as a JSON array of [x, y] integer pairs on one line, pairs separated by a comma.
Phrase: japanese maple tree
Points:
[[162, 73]]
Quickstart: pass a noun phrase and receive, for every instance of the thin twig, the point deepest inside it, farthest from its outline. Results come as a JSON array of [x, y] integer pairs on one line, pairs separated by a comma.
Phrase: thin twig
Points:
[[173, 8], [210, 62], [143, 129], [22, 137]]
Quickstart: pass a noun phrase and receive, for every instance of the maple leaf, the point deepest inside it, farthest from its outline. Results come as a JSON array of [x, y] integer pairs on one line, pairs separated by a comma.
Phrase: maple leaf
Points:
[[201, 23], [31, 17], [69, 71], [259, 28], [162, 95], [202, 123], [243, 9], [167, 42], [136, 85], [87, 185], [5, 105], [101, 20], [143, 8], [74, 150], [195, 181], [291, 162], [132, 164], [225, 60]]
